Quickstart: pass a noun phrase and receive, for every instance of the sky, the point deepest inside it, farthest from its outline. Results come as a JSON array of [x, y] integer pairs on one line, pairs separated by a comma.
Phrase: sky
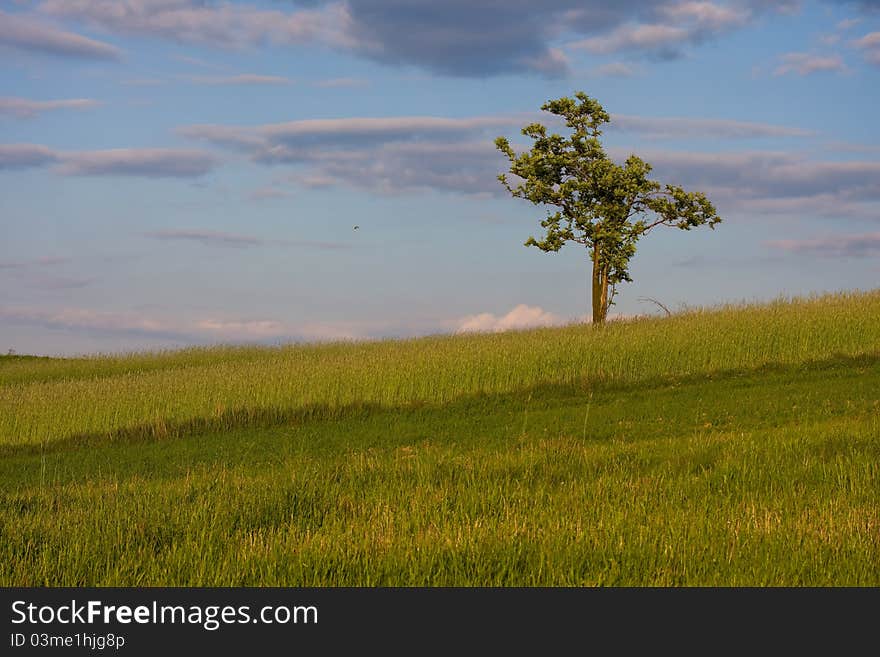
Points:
[[185, 172]]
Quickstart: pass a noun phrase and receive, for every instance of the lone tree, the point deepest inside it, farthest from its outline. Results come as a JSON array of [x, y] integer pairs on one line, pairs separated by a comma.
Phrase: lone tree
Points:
[[601, 205]]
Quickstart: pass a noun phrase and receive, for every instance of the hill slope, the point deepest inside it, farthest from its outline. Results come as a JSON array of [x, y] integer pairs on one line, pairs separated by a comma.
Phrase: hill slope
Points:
[[734, 446]]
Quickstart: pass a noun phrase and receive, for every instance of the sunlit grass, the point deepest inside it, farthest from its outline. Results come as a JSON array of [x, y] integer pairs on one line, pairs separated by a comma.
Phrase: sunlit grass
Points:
[[730, 446], [44, 401], [769, 479]]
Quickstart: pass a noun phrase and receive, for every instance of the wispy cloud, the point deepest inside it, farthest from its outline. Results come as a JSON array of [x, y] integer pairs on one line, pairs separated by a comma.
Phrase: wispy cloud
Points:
[[676, 25], [238, 80], [143, 162], [840, 30], [615, 70], [705, 15], [351, 129], [848, 23], [45, 261], [224, 25], [242, 329], [265, 193], [198, 330], [25, 156], [835, 205], [834, 246], [23, 108], [802, 63], [221, 239], [94, 322], [771, 182], [415, 153], [143, 82], [550, 63], [456, 37], [205, 237], [271, 139], [664, 39], [200, 63], [43, 274], [30, 35], [45, 282], [850, 147], [312, 244], [681, 127], [387, 155], [341, 83], [312, 181], [870, 47], [475, 38], [397, 167]]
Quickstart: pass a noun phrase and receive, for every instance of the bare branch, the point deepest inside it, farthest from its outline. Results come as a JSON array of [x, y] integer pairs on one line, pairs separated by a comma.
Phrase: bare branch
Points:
[[668, 314]]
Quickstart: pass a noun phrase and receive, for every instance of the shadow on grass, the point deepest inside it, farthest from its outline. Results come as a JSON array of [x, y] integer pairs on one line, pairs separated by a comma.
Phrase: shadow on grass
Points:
[[269, 417]]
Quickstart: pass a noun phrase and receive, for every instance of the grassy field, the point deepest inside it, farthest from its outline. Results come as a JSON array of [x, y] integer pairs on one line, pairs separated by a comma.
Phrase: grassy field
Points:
[[729, 446]]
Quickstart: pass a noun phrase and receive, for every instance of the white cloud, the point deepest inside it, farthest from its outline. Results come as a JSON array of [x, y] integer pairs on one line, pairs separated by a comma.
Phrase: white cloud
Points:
[[521, 317]]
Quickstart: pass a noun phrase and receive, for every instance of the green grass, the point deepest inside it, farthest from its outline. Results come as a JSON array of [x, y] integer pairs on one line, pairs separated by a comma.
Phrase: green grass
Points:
[[739, 446]]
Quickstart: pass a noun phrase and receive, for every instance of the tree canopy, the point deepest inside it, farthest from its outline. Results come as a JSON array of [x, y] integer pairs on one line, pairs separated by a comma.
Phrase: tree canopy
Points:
[[595, 202]]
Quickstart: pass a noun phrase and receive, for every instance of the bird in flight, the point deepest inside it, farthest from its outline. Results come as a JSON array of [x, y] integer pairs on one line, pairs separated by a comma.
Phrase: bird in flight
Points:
[[356, 227]]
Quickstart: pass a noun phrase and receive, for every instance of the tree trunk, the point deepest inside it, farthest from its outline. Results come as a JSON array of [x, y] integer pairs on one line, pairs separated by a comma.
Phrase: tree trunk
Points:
[[604, 292], [600, 288]]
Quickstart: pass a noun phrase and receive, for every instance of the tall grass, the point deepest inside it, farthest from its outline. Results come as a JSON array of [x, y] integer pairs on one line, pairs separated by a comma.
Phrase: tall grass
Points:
[[766, 479], [650, 452], [166, 393]]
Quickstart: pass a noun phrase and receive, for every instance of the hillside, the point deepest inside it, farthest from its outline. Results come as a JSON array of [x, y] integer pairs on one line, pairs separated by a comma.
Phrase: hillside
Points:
[[736, 445]]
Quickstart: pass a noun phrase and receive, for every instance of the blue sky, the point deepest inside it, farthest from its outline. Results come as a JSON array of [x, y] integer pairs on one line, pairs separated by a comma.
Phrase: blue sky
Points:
[[177, 172]]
